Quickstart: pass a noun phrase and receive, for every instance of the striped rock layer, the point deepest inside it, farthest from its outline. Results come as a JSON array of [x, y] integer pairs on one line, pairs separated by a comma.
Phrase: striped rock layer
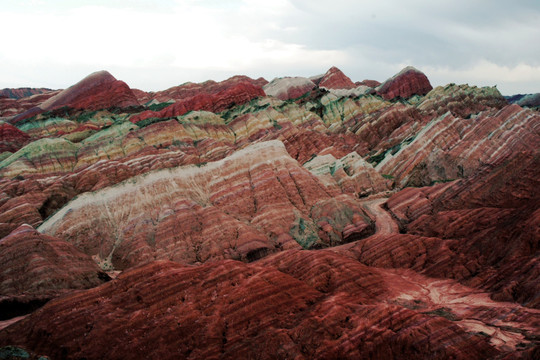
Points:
[[301, 218]]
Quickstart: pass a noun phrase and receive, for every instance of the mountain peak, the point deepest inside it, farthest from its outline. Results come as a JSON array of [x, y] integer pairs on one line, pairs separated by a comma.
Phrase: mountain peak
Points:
[[334, 78], [406, 83]]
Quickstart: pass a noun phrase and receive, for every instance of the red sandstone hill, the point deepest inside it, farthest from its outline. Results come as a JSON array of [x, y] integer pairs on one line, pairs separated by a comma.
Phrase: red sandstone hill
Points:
[[99, 90], [189, 90], [306, 218], [335, 79], [231, 93], [406, 83]]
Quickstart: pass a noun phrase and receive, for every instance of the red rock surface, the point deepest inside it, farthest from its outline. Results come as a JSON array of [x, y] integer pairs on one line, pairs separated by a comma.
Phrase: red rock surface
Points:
[[261, 202], [11, 138], [406, 83], [99, 90], [189, 90], [10, 107], [336, 79], [226, 173], [238, 94], [368, 83], [451, 147], [36, 268], [491, 222], [289, 306]]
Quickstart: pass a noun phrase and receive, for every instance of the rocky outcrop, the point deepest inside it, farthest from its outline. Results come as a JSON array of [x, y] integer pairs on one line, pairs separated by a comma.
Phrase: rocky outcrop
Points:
[[288, 87], [368, 83], [99, 90], [212, 173], [37, 268], [351, 174], [530, 100], [461, 100], [10, 107], [403, 85]]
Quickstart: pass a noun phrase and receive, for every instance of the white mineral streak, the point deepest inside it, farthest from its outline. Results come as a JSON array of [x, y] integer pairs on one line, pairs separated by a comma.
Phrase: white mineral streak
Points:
[[158, 188]]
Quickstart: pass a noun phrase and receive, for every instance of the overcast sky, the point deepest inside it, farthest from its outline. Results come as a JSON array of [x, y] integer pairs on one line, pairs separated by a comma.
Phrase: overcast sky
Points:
[[153, 45]]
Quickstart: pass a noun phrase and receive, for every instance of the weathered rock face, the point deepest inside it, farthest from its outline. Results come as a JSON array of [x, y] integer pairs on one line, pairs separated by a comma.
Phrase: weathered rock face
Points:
[[406, 83], [461, 100], [37, 268], [531, 100], [336, 79], [293, 305], [245, 206], [350, 174], [288, 87], [491, 222], [99, 90], [10, 106], [451, 147]]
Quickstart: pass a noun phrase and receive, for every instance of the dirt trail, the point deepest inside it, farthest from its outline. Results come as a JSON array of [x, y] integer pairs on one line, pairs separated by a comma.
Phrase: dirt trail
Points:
[[384, 223]]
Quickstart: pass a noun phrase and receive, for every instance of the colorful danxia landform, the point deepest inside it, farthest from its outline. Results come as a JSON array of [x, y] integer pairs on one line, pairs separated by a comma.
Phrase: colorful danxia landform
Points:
[[303, 217]]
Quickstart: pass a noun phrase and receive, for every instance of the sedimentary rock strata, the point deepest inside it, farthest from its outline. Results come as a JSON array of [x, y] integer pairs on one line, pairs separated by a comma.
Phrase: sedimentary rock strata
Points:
[[252, 203], [406, 83], [288, 306], [288, 87], [301, 218], [335, 79], [37, 268]]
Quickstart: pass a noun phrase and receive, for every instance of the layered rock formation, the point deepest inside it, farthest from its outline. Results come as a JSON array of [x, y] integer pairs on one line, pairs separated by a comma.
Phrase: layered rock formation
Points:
[[176, 214], [240, 93], [450, 147], [189, 90], [489, 221], [288, 87], [288, 306], [99, 90], [37, 268], [11, 138], [10, 107], [406, 83], [206, 197], [335, 79]]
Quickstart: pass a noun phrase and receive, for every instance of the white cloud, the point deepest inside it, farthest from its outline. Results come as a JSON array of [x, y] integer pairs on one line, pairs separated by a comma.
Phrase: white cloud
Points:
[[157, 44], [509, 79]]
